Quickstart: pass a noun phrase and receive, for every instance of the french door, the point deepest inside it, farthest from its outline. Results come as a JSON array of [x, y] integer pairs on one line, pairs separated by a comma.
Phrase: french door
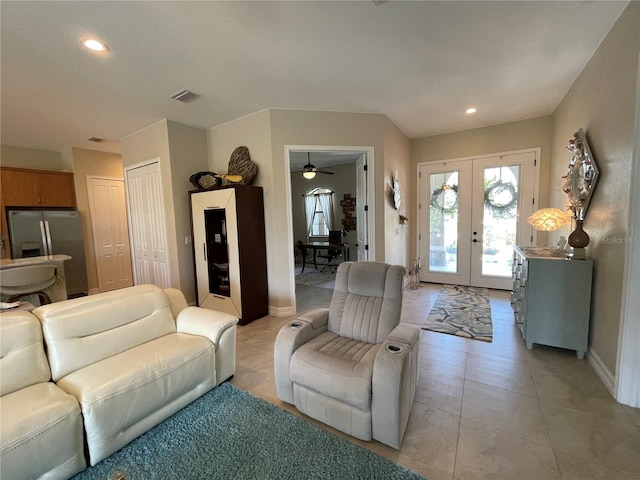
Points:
[[472, 213]]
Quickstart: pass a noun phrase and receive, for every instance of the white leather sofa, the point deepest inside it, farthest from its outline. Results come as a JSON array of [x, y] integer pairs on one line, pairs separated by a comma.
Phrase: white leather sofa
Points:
[[131, 358], [40, 424]]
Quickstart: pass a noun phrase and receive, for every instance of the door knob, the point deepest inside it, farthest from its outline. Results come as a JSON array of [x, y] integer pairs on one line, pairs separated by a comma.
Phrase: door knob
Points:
[[475, 240]]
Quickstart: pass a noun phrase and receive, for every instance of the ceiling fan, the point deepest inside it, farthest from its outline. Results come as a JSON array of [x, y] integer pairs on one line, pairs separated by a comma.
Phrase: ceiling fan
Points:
[[309, 170]]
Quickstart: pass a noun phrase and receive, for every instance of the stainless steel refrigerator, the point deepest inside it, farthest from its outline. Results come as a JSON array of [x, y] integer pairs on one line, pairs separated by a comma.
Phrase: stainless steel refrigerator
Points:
[[35, 233]]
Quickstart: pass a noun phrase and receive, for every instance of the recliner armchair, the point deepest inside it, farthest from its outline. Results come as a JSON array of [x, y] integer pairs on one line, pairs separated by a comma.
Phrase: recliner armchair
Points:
[[352, 365]]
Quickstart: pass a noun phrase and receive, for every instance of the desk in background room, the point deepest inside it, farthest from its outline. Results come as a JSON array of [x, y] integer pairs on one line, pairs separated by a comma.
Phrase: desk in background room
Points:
[[315, 246]]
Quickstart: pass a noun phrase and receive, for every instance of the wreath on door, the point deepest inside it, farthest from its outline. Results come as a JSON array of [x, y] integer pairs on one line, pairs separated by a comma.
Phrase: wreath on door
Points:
[[501, 199], [445, 199]]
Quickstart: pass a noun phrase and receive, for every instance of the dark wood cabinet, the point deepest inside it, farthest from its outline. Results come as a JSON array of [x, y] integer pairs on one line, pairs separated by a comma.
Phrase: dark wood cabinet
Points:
[[229, 250]]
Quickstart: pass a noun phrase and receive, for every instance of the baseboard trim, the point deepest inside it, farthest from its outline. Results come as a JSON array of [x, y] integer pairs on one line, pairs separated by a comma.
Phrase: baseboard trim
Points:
[[280, 311], [602, 371], [93, 291]]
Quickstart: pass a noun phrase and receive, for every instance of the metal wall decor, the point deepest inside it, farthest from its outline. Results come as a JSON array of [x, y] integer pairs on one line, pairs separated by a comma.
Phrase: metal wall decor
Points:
[[348, 209], [581, 176]]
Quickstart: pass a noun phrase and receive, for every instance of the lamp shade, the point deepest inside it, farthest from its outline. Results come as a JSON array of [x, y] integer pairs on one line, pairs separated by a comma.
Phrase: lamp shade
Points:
[[548, 219], [308, 175]]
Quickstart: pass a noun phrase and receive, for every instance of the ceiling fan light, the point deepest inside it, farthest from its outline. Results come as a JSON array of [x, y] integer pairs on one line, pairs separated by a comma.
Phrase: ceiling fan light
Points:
[[309, 174]]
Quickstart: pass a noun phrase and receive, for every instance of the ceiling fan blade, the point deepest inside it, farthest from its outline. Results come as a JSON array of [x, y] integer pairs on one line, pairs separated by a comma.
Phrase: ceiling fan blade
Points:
[[325, 172]]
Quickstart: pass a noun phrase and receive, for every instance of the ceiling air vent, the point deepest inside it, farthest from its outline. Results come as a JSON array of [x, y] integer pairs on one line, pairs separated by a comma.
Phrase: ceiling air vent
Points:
[[184, 95]]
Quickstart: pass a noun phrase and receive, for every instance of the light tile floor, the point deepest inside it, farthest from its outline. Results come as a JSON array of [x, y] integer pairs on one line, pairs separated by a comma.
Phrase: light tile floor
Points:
[[483, 410]]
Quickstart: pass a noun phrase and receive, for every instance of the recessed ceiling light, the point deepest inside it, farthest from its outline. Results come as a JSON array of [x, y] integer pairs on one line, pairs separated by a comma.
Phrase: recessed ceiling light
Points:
[[95, 45], [470, 110]]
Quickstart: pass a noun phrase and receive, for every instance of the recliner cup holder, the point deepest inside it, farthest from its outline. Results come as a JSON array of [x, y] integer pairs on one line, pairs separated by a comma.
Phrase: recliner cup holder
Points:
[[295, 324], [391, 348]]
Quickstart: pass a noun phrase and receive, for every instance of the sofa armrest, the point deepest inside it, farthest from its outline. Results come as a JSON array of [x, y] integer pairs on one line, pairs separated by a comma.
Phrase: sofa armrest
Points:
[[318, 318], [290, 337], [218, 327], [206, 323], [395, 374]]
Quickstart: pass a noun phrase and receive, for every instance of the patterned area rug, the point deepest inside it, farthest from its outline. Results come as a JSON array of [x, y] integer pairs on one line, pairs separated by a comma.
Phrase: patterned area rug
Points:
[[315, 278], [462, 311]]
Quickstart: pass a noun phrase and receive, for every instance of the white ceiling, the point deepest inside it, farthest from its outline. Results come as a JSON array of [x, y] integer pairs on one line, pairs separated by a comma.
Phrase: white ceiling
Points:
[[420, 63]]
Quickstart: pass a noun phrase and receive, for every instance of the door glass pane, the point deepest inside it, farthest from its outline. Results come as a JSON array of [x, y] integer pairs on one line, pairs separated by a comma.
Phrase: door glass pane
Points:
[[217, 251], [500, 219], [443, 222]]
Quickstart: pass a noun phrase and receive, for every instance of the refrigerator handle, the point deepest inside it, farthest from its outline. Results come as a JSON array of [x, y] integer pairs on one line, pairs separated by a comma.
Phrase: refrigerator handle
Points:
[[44, 238], [49, 247]]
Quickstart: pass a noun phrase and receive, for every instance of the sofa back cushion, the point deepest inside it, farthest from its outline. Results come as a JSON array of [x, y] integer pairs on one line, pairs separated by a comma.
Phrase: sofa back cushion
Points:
[[22, 359], [86, 330]]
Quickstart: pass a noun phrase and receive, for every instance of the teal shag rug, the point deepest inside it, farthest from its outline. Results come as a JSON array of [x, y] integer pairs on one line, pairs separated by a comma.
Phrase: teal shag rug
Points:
[[230, 434]]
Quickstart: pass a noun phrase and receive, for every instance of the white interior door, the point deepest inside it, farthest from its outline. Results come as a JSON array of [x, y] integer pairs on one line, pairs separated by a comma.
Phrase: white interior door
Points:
[[148, 228], [110, 233], [472, 213], [362, 225]]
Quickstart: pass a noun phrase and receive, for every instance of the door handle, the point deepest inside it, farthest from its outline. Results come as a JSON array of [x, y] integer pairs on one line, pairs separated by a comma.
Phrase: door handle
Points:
[[475, 240], [46, 227], [44, 238]]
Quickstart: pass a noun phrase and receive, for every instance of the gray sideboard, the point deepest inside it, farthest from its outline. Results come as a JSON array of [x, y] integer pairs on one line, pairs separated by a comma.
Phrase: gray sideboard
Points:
[[551, 298]]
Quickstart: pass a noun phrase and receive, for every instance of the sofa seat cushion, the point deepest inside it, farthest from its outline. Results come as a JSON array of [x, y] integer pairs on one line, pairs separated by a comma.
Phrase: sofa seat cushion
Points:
[[337, 367], [41, 433], [137, 387]]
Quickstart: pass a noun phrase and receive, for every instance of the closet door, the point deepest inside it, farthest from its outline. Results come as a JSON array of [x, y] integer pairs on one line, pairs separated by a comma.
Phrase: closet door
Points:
[[148, 228], [110, 233]]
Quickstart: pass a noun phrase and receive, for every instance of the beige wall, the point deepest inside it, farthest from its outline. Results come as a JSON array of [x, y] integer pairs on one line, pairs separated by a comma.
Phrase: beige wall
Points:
[[182, 151], [301, 127], [91, 163], [535, 132], [253, 132], [266, 134], [188, 153], [602, 102], [11, 156], [147, 144], [399, 238]]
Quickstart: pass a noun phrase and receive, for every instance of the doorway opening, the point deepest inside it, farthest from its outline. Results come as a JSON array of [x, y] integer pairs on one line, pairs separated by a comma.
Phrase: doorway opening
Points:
[[352, 181]]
